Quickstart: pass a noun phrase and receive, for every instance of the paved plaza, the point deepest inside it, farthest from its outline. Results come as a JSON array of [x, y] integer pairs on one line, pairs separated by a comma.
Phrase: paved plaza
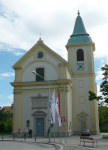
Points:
[[15, 145], [73, 143]]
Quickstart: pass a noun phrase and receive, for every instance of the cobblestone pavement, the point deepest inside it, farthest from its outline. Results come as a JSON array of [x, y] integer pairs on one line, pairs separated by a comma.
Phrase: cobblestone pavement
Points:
[[73, 143], [13, 145], [80, 148]]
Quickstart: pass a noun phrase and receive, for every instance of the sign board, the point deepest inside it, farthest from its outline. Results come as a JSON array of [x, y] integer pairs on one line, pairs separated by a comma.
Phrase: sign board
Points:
[[63, 122]]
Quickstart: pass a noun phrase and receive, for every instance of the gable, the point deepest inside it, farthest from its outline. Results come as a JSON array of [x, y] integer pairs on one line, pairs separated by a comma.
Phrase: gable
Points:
[[55, 67], [31, 55]]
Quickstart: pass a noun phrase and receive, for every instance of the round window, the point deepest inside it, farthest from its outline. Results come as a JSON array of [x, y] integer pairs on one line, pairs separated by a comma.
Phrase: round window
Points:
[[40, 55]]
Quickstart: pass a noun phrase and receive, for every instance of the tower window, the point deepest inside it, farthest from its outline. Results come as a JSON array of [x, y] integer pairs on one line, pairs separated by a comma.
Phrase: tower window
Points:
[[80, 55], [40, 71]]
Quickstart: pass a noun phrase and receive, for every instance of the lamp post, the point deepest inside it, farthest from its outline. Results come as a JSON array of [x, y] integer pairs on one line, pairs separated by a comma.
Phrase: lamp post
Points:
[[48, 101]]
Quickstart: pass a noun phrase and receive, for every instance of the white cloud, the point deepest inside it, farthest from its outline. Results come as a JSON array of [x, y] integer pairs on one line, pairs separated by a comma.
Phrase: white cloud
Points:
[[0, 96], [8, 74], [8, 48], [5, 74], [6, 104], [18, 54], [98, 90], [10, 97], [101, 51], [23, 20], [99, 75], [7, 14]]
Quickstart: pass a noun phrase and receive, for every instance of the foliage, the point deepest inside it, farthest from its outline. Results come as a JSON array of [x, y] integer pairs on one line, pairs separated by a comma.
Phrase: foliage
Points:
[[93, 96], [2, 127], [5, 120], [103, 115], [104, 84], [5, 115], [103, 110], [103, 87], [12, 106], [104, 131]]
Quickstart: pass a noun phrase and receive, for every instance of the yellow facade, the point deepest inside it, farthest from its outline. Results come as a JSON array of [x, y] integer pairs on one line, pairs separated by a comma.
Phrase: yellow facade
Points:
[[80, 112], [92, 87]]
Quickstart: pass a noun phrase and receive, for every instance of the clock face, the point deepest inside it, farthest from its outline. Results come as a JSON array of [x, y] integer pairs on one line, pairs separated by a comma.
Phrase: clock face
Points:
[[80, 66]]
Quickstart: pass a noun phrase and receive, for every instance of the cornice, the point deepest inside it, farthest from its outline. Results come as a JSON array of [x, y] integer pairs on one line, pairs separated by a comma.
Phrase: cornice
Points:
[[80, 44], [15, 68], [63, 64], [84, 74], [44, 83]]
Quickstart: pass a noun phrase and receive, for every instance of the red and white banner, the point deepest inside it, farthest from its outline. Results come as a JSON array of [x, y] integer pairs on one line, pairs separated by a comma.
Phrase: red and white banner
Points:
[[58, 108], [52, 108]]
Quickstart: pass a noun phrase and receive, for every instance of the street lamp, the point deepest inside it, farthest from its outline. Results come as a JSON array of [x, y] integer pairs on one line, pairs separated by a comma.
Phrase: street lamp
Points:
[[48, 101]]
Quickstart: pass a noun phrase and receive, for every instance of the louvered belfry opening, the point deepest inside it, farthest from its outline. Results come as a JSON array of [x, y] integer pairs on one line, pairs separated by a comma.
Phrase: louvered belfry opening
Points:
[[80, 55]]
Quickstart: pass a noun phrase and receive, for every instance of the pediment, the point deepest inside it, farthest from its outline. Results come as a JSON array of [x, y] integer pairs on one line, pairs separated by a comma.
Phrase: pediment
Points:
[[82, 114], [30, 56], [39, 95], [39, 113]]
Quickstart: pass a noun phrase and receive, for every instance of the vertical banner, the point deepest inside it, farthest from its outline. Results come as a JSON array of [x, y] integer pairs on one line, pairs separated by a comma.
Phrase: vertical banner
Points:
[[58, 108], [58, 111], [52, 108]]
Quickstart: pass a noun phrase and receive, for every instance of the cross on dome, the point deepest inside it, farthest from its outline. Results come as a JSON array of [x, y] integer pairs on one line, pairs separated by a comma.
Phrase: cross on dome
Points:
[[78, 13]]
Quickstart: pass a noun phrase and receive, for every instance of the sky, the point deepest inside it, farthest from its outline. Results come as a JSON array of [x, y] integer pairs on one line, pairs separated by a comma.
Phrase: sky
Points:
[[21, 22]]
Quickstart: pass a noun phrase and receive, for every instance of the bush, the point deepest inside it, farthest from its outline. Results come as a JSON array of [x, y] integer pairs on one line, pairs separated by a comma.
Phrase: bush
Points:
[[104, 130], [9, 128], [2, 127], [5, 127]]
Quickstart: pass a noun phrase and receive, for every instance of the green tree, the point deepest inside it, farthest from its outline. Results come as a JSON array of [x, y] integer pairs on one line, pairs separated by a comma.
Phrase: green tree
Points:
[[3, 115], [103, 115], [5, 120], [12, 106], [103, 110], [93, 96], [104, 84]]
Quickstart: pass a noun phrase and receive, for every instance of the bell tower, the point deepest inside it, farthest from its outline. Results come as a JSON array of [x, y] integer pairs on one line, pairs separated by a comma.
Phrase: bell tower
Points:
[[80, 49]]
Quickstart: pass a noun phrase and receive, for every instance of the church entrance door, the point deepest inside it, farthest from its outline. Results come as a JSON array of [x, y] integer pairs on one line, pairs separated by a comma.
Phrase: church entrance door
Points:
[[39, 126]]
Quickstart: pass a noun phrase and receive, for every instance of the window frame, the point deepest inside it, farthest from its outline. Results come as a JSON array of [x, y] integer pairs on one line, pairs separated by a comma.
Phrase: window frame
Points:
[[77, 55], [27, 123], [44, 72], [38, 53], [42, 79]]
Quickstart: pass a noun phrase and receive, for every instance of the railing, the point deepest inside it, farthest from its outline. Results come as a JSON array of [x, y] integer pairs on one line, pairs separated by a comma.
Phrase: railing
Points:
[[14, 136]]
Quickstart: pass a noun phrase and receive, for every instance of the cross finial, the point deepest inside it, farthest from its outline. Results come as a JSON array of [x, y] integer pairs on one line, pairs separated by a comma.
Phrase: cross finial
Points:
[[78, 5], [40, 38], [40, 35], [78, 13]]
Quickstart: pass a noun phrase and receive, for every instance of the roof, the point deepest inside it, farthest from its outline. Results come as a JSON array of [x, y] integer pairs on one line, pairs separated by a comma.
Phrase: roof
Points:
[[79, 33], [8, 108]]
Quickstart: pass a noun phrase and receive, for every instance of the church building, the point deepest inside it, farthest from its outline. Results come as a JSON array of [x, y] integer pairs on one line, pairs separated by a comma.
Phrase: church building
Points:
[[77, 74]]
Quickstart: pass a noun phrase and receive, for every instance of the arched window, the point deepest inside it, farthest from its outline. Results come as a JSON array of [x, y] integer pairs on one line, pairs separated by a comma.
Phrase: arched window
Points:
[[40, 71], [80, 55]]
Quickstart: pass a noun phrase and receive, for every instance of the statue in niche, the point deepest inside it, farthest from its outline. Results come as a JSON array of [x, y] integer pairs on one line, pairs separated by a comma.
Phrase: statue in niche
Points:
[[82, 122]]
